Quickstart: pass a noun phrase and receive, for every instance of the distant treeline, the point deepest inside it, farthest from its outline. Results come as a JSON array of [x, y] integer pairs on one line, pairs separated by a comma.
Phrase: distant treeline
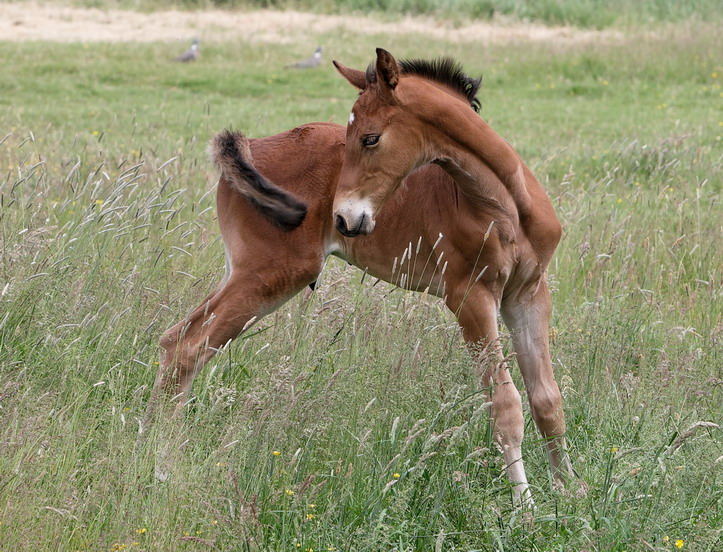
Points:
[[584, 13]]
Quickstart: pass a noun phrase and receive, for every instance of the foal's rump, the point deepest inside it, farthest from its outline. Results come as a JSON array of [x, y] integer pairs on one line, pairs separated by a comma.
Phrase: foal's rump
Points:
[[305, 161], [302, 164]]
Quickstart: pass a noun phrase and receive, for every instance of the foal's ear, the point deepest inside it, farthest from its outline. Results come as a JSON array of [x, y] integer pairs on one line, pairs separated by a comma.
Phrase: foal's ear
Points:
[[354, 76], [387, 68]]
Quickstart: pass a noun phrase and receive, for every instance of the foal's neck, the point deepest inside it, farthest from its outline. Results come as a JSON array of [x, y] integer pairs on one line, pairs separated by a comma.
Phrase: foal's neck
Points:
[[475, 155]]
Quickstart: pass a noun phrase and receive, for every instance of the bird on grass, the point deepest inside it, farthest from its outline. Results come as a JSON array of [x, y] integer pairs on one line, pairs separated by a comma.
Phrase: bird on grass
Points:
[[308, 63], [192, 54]]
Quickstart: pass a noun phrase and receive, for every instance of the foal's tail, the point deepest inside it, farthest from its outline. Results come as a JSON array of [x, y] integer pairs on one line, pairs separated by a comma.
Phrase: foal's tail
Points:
[[232, 154]]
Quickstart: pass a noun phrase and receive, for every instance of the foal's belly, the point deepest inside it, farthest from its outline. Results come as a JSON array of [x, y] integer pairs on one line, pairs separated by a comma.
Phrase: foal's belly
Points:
[[415, 271]]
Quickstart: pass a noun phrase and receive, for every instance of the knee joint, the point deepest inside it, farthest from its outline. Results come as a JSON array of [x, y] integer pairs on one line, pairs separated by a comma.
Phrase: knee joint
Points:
[[507, 413], [546, 405], [169, 339], [176, 346], [505, 393]]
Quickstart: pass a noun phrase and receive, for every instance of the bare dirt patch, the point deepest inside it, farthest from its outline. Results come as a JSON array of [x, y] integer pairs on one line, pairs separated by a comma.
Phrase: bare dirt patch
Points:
[[31, 21]]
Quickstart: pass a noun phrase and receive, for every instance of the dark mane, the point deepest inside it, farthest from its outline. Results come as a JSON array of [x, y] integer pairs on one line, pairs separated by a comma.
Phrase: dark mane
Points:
[[445, 71]]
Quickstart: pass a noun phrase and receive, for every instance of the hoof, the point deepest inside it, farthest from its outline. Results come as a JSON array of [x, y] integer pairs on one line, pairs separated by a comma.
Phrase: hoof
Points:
[[522, 499]]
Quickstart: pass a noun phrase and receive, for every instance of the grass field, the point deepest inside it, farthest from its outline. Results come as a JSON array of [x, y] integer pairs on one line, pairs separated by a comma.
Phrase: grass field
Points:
[[351, 421]]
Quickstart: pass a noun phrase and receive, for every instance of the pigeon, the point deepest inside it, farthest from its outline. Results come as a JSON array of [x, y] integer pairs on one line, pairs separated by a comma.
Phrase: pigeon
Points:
[[191, 54], [308, 63]]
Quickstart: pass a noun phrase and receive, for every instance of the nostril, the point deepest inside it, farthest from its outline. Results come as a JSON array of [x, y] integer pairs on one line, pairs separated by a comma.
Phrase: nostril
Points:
[[341, 224], [360, 226]]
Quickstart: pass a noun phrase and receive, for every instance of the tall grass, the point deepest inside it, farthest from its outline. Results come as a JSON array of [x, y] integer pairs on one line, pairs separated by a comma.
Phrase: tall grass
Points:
[[351, 420]]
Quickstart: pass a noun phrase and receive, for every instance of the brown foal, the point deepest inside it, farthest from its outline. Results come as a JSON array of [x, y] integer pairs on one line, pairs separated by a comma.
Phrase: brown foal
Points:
[[477, 215]]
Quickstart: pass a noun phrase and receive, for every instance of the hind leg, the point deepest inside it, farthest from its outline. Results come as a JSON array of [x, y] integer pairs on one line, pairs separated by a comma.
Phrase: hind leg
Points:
[[248, 294], [165, 375], [528, 316]]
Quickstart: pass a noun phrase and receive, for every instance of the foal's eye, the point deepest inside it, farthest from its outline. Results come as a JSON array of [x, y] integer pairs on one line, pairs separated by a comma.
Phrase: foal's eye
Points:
[[370, 141]]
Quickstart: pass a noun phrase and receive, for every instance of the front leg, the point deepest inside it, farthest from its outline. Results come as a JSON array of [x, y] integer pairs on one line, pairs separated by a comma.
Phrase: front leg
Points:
[[476, 311]]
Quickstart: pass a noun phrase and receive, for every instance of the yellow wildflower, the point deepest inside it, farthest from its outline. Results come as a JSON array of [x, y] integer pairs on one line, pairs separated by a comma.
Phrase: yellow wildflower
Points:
[[396, 475], [276, 452], [141, 531], [679, 543], [289, 492], [309, 517]]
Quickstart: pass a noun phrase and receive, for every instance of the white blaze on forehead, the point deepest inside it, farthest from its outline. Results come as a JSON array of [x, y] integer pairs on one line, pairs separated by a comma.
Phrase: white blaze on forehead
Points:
[[351, 117]]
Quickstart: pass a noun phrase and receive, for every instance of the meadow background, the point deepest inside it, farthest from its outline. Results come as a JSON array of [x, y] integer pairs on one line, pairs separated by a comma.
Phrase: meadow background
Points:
[[351, 420], [586, 13]]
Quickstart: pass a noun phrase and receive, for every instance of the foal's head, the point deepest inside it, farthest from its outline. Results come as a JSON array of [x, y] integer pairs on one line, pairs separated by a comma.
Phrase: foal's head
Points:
[[389, 134]]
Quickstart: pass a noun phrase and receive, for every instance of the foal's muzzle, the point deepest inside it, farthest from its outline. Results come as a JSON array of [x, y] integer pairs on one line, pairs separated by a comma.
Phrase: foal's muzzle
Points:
[[354, 217]]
